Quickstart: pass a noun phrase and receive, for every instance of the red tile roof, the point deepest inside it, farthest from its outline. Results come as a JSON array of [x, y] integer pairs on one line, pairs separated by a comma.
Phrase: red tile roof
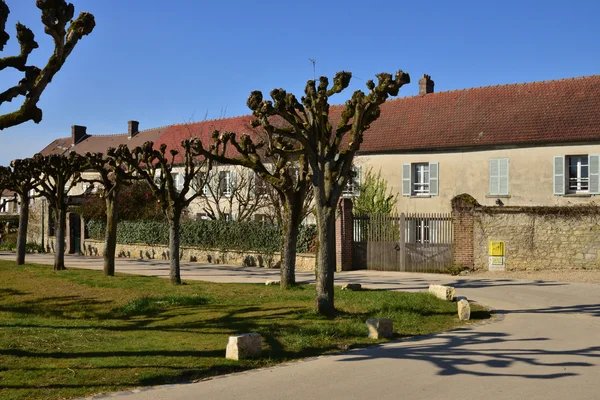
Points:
[[101, 143], [566, 110], [559, 111], [175, 134]]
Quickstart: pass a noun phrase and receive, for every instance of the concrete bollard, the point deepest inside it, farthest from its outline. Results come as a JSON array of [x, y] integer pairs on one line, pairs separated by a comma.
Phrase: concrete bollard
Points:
[[464, 310], [378, 328], [352, 286], [244, 346], [442, 292]]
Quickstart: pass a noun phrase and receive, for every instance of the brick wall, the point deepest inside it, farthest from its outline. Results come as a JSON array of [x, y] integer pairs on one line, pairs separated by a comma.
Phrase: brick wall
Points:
[[344, 236], [462, 230]]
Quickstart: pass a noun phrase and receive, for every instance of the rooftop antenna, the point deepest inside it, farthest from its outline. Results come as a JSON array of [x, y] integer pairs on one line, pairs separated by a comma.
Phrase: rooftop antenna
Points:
[[314, 62]]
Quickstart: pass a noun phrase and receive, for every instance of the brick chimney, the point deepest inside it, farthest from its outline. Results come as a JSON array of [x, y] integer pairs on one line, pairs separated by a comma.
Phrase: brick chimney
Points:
[[78, 133], [425, 85], [133, 128]]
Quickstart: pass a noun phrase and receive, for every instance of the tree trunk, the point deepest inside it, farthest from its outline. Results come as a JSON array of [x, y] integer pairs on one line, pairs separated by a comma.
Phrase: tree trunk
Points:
[[110, 237], [292, 213], [174, 270], [325, 267], [61, 224], [23, 222]]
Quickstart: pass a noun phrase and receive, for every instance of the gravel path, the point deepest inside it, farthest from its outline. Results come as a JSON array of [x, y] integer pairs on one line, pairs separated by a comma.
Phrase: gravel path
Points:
[[574, 276]]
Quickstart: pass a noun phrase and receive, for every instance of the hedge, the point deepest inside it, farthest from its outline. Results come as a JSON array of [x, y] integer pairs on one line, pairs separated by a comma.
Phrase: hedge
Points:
[[220, 235]]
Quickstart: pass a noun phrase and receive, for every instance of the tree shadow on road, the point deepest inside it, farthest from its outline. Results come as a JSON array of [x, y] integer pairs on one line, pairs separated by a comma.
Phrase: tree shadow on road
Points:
[[487, 354]]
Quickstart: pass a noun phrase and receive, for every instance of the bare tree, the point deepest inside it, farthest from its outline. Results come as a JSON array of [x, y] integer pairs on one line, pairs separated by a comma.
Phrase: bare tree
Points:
[[172, 177], [276, 161], [21, 179], [329, 151], [112, 176], [58, 175], [232, 189], [57, 17]]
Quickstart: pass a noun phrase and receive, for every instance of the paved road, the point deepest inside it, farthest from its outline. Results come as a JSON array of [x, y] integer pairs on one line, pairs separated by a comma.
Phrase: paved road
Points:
[[546, 346]]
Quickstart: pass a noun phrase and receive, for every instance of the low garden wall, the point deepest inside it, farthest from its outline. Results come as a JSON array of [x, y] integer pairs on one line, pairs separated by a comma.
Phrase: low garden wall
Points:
[[304, 261], [219, 242], [534, 238]]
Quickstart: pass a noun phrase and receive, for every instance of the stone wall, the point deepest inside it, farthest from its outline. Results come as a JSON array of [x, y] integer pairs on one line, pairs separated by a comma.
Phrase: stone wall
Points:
[[536, 240], [189, 254]]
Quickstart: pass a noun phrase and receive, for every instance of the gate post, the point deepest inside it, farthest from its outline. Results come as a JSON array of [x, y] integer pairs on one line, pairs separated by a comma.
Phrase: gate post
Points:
[[344, 236], [462, 226]]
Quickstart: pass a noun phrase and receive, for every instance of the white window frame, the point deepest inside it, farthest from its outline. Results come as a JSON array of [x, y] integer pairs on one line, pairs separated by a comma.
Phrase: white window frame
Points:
[[420, 179], [578, 184], [228, 190]]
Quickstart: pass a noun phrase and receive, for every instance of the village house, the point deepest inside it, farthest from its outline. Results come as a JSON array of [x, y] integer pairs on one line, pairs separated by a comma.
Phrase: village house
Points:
[[529, 144]]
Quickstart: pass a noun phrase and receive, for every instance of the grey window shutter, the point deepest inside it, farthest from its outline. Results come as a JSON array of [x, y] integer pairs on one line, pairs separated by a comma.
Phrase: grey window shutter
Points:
[[357, 181], [559, 175], [503, 176], [406, 181], [232, 183], [434, 171], [494, 178], [251, 183], [411, 230], [594, 174]]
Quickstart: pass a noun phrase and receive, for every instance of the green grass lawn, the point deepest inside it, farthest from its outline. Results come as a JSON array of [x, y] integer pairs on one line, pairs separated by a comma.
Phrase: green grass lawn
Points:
[[76, 332]]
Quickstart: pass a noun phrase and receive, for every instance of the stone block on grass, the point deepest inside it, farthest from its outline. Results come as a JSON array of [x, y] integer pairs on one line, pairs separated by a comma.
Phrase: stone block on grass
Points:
[[442, 292], [352, 286], [378, 328], [464, 310], [244, 346]]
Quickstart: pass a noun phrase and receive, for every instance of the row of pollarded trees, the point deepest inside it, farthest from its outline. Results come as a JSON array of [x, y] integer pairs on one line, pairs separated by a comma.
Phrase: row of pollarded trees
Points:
[[299, 151]]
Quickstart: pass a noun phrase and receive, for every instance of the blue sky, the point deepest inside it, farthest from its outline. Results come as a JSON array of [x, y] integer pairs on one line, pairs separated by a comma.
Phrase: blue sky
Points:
[[193, 60]]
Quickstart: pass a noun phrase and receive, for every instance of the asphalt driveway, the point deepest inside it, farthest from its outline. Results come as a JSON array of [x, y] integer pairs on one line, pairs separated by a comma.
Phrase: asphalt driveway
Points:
[[544, 345]]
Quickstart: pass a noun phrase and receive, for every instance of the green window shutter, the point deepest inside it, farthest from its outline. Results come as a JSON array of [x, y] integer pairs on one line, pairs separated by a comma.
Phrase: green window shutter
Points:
[[406, 181], [503, 176], [434, 172], [594, 173], [494, 176], [559, 175]]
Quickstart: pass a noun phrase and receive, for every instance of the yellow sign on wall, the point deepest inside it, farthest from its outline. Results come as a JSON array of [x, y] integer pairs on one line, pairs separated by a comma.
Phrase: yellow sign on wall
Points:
[[496, 249]]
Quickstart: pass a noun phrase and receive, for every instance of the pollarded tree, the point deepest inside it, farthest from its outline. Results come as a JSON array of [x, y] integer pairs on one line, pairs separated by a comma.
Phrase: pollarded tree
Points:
[[57, 17], [58, 175], [175, 178], [21, 179], [328, 150], [277, 161], [112, 176]]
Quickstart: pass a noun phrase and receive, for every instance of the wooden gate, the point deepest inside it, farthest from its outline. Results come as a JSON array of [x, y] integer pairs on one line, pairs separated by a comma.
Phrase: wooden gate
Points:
[[405, 242]]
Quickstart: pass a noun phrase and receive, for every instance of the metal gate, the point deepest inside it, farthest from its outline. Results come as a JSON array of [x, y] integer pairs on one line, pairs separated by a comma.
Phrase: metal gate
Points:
[[405, 242]]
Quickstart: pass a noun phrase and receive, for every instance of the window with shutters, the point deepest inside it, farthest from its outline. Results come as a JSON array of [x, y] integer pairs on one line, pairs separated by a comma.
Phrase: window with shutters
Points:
[[499, 172], [420, 179], [352, 188], [577, 174]]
